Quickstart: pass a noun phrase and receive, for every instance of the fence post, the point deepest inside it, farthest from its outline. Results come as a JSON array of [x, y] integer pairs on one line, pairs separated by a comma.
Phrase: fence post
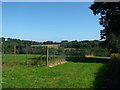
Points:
[[14, 54], [2, 54], [26, 53], [47, 54]]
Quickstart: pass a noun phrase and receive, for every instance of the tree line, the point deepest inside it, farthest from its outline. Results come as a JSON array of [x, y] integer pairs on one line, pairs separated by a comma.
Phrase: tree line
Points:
[[110, 19], [80, 48]]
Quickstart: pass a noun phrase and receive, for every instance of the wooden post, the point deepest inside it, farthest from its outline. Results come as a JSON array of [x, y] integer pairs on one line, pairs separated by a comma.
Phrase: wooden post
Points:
[[3, 55], [47, 54], [14, 54], [26, 53]]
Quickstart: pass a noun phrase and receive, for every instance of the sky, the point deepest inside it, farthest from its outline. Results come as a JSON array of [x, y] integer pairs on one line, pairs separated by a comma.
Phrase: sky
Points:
[[0, 19], [49, 21]]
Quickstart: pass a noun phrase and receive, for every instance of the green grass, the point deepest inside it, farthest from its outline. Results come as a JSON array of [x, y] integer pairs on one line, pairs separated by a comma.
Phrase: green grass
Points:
[[19, 57], [22, 57], [69, 75], [8, 59]]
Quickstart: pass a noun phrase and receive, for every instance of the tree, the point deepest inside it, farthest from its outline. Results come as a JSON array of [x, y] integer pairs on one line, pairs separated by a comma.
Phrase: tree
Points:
[[110, 20], [48, 42]]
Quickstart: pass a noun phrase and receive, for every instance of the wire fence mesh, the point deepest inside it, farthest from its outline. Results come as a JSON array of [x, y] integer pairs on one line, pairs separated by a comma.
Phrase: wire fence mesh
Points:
[[34, 55]]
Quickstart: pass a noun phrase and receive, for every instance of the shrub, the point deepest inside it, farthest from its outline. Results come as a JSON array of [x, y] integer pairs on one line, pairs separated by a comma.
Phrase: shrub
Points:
[[115, 58]]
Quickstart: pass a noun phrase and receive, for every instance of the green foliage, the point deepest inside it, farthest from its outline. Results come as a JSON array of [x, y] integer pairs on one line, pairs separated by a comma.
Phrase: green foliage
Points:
[[115, 58], [110, 19], [101, 52]]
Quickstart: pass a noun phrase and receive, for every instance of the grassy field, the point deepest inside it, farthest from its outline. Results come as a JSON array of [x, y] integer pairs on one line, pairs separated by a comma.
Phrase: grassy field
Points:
[[68, 75], [31, 59], [19, 57], [8, 59]]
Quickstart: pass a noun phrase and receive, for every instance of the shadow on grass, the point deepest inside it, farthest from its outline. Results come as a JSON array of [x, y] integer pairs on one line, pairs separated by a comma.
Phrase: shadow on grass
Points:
[[87, 59], [108, 76]]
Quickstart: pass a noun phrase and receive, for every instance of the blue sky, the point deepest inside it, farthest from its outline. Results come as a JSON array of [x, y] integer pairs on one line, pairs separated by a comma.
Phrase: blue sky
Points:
[[50, 21], [0, 18]]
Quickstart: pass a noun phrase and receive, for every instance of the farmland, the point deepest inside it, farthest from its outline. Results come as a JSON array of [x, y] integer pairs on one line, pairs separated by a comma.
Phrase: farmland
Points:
[[68, 75], [61, 47]]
